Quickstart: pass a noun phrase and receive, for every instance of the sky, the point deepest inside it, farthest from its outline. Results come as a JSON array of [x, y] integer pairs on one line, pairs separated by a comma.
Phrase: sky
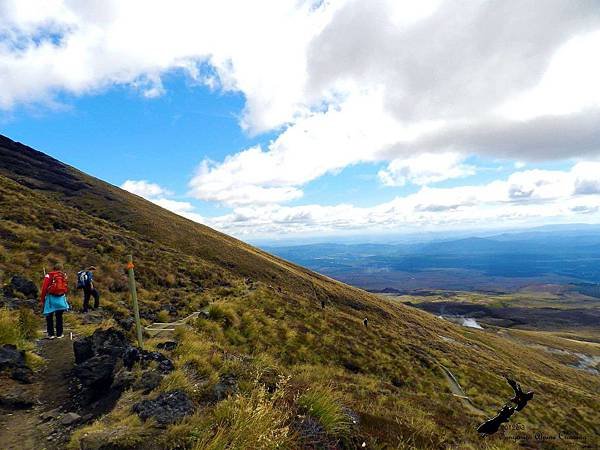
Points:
[[287, 118]]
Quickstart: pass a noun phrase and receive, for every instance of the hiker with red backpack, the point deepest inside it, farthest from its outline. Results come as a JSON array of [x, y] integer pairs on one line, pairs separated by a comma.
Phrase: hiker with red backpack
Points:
[[53, 300]]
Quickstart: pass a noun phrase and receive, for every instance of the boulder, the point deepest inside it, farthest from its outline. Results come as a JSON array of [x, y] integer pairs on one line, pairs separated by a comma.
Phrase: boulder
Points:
[[133, 355], [168, 345], [82, 348], [172, 310], [111, 342], [22, 374], [126, 323], [96, 373], [167, 408], [123, 379], [22, 285], [148, 381], [14, 360], [70, 418], [16, 399], [52, 414]]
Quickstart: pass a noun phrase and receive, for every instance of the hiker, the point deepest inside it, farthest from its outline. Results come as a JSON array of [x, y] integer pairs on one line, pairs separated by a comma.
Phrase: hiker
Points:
[[322, 304], [85, 281], [521, 398], [366, 322], [53, 300]]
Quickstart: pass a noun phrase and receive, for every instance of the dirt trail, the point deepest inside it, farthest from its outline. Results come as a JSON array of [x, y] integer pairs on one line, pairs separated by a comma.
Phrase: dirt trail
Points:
[[24, 429]]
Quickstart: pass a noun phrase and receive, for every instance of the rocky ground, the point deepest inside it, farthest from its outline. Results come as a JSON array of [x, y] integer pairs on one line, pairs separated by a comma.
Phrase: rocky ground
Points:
[[39, 414]]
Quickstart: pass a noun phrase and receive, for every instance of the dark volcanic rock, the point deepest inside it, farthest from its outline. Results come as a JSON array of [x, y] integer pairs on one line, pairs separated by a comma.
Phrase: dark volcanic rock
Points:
[[168, 345], [226, 386], [22, 374], [70, 418], [82, 349], [111, 342], [148, 381], [14, 360], [123, 379], [16, 399], [96, 373], [126, 323], [168, 408], [22, 285], [172, 310], [133, 355]]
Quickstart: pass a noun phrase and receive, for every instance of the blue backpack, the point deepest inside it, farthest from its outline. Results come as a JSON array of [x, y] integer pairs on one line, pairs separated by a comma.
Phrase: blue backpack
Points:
[[82, 279]]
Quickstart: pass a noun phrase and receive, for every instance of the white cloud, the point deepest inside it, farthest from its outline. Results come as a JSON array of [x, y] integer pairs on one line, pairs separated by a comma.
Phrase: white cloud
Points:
[[425, 168], [157, 194], [253, 48], [418, 85], [357, 130], [144, 188], [422, 94], [569, 85], [174, 205], [524, 197], [587, 177]]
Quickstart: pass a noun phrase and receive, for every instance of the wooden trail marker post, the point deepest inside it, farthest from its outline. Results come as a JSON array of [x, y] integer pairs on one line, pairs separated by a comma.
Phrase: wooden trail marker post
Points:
[[136, 310]]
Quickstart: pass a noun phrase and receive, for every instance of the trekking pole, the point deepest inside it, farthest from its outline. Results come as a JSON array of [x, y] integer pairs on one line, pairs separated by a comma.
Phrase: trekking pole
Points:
[[136, 310]]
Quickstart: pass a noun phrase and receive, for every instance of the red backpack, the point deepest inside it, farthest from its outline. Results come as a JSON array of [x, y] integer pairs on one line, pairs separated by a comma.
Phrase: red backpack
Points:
[[58, 283]]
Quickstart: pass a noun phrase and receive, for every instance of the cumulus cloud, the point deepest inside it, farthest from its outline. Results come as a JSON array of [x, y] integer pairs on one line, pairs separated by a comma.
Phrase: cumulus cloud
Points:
[[523, 197], [323, 142], [417, 86], [158, 195], [81, 47], [425, 168], [452, 79], [144, 188], [540, 139], [462, 59]]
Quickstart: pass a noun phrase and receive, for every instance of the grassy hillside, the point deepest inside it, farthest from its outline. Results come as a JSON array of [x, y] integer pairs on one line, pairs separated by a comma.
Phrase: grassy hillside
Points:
[[290, 359]]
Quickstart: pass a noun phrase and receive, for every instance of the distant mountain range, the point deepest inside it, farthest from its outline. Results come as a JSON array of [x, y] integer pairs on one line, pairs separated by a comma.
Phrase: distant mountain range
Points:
[[552, 254]]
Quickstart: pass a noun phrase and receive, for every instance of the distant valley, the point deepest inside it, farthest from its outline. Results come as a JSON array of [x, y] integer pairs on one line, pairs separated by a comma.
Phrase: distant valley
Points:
[[505, 262], [545, 279]]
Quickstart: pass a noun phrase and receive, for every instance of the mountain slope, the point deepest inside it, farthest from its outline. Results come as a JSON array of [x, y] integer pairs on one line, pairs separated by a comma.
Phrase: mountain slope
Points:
[[266, 312]]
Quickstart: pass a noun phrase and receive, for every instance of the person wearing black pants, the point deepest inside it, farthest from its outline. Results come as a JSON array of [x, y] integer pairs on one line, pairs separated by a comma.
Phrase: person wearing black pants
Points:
[[59, 324], [89, 290]]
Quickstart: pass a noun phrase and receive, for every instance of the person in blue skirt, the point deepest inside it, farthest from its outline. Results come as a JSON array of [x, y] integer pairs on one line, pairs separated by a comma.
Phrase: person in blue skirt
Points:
[[53, 300]]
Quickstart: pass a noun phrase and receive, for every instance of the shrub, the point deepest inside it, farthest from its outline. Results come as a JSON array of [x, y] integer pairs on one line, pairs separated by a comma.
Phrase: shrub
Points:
[[163, 316], [223, 314], [324, 405], [28, 324], [253, 421], [17, 328], [9, 328]]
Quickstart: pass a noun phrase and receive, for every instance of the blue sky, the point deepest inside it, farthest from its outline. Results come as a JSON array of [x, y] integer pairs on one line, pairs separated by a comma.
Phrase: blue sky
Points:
[[340, 125]]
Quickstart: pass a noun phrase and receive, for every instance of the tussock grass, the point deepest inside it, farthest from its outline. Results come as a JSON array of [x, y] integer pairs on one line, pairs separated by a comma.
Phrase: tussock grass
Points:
[[119, 429], [253, 421], [324, 404], [18, 327], [223, 314]]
